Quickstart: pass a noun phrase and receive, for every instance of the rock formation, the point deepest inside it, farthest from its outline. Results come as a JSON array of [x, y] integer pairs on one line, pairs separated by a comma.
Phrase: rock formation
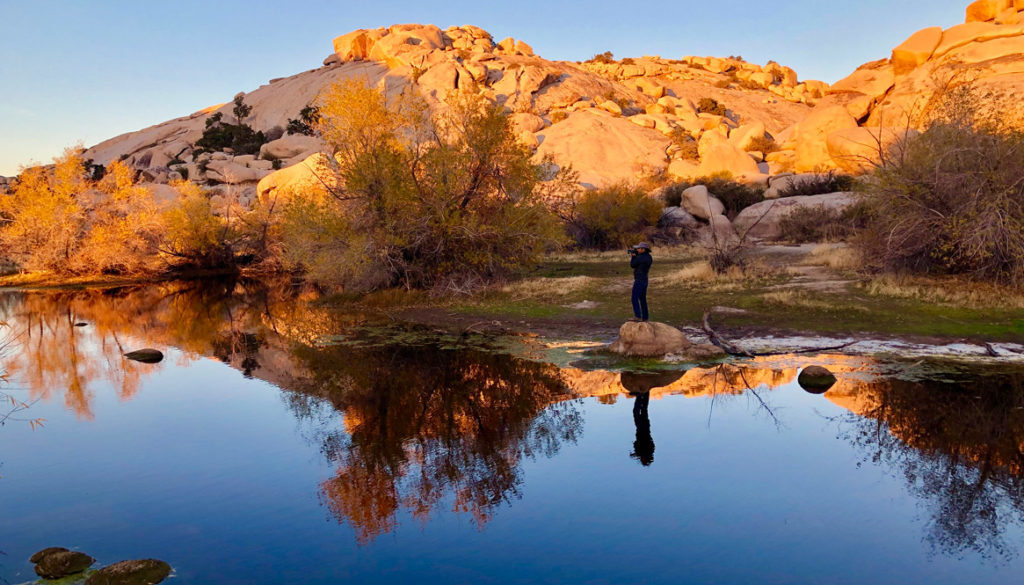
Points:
[[644, 109], [653, 339], [889, 96], [611, 120]]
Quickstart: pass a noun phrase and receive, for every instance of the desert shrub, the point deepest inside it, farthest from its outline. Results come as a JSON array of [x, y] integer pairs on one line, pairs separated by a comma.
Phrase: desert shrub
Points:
[[830, 182], [735, 196], [444, 201], [751, 85], [763, 144], [304, 124], [822, 224], [239, 137], [723, 84], [953, 200], [708, 105], [673, 194], [558, 115], [687, 145], [628, 61], [614, 217], [606, 57], [96, 171]]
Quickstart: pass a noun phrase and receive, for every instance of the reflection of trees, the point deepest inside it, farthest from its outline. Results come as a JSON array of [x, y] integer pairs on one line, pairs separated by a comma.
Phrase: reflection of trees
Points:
[[55, 356], [424, 424], [959, 448]]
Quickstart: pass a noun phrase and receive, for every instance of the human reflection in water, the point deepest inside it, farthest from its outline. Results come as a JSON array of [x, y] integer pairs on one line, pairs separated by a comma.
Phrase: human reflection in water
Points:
[[640, 386]]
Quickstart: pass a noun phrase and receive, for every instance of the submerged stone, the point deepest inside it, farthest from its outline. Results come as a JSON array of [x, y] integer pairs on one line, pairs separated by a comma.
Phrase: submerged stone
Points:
[[816, 379], [63, 563], [134, 572], [39, 556], [146, 356]]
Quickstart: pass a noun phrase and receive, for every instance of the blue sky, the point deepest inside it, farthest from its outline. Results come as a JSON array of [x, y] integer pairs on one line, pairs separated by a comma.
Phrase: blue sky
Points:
[[84, 71]]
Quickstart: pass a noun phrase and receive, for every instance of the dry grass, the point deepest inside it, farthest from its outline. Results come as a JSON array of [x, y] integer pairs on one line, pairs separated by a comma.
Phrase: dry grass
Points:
[[835, 257], [546, 287], [803, 299], [736, 277], [956, 292], [660, 253]]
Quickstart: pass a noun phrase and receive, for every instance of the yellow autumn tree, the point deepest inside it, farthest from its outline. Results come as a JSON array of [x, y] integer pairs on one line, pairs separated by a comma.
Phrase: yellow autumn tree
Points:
[[444, 201], [57, 218]]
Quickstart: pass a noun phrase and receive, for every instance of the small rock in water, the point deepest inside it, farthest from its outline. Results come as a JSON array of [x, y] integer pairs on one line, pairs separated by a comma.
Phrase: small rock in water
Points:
[[135, 572], [39, 556], [81, 324], [816, 379], [63, 563], [146, 356]]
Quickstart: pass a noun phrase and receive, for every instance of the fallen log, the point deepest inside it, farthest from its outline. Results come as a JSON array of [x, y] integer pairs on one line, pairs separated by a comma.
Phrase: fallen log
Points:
[[732, 349]]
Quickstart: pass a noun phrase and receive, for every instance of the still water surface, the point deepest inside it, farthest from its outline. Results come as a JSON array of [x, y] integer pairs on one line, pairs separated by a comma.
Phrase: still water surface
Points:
[[279, 443]]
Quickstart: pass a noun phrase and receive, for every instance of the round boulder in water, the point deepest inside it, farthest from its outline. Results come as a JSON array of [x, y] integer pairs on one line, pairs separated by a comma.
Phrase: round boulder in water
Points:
[[136, 572], [146, 356], [816, 379], [62, 563], [39, 556]]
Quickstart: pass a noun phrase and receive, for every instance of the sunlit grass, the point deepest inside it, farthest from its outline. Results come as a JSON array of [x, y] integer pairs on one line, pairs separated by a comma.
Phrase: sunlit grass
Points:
[[957, 292], [835, 257], [531, 288], [803, 299]]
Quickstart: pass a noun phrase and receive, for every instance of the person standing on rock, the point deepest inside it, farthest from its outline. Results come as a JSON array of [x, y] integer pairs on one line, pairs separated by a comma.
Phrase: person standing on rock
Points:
[[640, 261]]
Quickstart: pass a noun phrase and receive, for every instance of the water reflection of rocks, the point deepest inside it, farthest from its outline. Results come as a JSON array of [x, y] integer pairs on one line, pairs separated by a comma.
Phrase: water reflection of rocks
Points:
[[421, 428]]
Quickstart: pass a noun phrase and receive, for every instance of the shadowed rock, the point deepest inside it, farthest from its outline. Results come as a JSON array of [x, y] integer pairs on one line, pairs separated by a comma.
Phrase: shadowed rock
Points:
[[816, 379], [135, 572], [146, 356], [62, 563], [39, 556]]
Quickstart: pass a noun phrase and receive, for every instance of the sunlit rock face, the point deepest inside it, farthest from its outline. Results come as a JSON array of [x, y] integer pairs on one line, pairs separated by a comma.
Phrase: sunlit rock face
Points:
[[640, 107], [646, 109]]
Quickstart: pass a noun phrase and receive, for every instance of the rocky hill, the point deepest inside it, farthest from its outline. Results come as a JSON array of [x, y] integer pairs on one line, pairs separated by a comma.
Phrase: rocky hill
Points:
[[646, 112], [883, 98], [612, 120]]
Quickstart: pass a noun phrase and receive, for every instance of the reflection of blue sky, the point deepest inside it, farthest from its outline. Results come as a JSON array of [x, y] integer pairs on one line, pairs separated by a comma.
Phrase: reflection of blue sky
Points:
[[211, 471], [93, 70]]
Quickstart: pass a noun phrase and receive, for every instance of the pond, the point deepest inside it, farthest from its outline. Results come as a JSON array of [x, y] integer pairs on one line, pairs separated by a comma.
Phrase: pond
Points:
[[282, 442]]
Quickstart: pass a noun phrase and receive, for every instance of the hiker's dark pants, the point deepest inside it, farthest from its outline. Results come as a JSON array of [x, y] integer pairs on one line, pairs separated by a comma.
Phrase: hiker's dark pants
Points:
[[640, 299]]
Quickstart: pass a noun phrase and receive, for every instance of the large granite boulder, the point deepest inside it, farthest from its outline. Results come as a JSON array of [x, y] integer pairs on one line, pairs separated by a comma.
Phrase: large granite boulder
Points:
[[860, 150], [603, 149], [653, 339], [291, 146], [812, 135], [761, 220]]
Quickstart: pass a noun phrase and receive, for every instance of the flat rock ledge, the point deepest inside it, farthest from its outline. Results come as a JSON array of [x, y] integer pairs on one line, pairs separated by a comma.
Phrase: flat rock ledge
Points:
[[654, 340]]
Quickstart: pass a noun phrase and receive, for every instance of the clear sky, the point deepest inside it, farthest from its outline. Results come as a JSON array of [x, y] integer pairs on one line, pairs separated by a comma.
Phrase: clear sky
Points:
[[82, 71]]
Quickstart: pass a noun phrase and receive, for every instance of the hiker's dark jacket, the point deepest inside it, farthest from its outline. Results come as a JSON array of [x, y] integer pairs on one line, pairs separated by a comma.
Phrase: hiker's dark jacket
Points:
[[641, 265]]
